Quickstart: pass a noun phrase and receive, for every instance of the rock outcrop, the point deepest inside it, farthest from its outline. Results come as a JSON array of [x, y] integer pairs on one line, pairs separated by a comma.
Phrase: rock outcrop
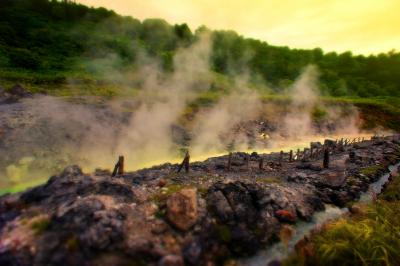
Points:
[[197, 218]]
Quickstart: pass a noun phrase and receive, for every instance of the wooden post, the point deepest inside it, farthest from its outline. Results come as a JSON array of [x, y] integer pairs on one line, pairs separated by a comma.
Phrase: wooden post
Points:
[[119, 167], [229, 161], [291, 156], [185, 163], [261, 164], [298, 155], [326, 158]]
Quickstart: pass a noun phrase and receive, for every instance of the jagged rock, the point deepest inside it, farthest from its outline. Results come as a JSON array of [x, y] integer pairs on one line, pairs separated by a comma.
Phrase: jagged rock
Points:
[[338, 198], [285, 216], [192, 252], [330, 143], [310, 166], [254, 155], [121, 192], [171, 260], [94, 225], [162, 182], [315, 145], [19, 91], [102, 172], [220, 206], [304, 211], [60, 188], [298, 177], [72, 170], [139, 247], [316, 203], [182, 208], [240, 199], [243, 240]]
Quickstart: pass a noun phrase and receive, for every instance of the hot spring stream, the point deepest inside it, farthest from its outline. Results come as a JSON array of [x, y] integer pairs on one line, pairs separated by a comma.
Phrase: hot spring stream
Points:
[[280, 251]]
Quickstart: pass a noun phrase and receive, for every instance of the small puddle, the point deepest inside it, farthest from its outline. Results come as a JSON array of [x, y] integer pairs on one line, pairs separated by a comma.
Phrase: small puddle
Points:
[[280, 251]]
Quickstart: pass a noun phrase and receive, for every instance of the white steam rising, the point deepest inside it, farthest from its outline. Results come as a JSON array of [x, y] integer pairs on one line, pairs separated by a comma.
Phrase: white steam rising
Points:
[[142, 128]]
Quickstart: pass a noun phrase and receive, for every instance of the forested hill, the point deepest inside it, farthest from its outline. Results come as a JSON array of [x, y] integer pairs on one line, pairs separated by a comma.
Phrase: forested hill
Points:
[[51, 40]]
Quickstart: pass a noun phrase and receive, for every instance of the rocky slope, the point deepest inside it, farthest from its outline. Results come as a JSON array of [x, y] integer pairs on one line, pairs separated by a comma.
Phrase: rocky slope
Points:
[[157, 216]]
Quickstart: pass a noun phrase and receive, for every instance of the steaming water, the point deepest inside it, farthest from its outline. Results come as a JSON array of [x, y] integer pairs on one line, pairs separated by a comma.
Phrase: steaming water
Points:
[[26, 173], [280, 251]]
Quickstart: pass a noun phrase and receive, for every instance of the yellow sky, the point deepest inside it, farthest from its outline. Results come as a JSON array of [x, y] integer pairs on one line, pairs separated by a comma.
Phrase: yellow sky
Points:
[[361, 26]]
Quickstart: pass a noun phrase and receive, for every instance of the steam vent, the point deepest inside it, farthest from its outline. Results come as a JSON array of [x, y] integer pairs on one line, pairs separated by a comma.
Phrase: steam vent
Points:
[[199, 133]]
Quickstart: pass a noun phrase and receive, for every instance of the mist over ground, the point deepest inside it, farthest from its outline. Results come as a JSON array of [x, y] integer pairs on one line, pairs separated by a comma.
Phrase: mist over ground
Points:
[[154, 126]]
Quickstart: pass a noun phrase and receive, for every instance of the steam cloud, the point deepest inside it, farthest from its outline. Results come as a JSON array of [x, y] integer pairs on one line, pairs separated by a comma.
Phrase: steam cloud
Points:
[[142, 128]]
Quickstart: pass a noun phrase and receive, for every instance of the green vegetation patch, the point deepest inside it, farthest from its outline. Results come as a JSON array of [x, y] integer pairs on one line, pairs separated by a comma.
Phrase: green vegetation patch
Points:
[[224, 233], [164, 193], [40, 224], [372, 171], [268, 180]]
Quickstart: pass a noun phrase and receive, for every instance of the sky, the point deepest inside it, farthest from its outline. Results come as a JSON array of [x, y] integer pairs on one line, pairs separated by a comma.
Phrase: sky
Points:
[[360, 26]]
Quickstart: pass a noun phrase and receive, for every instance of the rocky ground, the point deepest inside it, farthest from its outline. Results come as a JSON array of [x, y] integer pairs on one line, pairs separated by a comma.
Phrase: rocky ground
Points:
[[206, 216]]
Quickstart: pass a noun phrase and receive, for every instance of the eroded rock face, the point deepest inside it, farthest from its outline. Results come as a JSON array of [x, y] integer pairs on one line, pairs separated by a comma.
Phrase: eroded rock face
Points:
[[182, 208]]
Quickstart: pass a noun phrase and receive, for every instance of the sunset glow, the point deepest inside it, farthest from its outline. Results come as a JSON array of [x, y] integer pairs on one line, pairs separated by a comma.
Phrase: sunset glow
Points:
[[361, 26]]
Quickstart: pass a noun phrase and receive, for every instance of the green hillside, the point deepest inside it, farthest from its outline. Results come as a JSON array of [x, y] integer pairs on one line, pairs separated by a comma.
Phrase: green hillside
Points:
[[47, 42]]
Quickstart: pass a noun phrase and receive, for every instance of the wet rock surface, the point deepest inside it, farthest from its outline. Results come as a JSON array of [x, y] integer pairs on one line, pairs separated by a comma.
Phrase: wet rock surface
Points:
[[156, 216]]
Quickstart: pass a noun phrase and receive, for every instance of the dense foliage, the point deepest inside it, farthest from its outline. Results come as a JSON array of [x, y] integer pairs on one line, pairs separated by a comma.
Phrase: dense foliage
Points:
[[55, 39]]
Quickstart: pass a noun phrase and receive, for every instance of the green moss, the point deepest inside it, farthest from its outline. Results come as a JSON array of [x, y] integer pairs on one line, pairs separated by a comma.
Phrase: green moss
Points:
[[392, 191], [224, 233], [372, 170], [160, 214], [72, 243], [163, 194], [319, 114], [41, 224], [269, 180], [202, 191]]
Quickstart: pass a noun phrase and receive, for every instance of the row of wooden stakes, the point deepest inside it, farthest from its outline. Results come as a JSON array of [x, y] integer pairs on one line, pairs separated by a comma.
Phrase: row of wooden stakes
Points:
[[312, 153]]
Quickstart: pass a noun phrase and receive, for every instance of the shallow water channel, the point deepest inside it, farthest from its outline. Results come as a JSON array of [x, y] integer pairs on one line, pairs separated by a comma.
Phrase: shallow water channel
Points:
[[280, 251]]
